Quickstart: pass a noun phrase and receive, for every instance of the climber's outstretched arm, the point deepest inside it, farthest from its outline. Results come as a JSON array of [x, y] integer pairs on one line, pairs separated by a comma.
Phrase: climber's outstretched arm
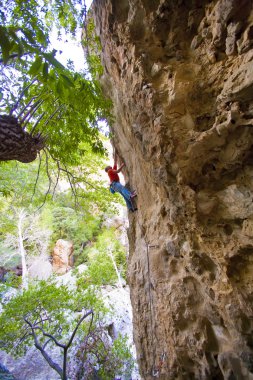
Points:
[[115, 161], [119, 169]]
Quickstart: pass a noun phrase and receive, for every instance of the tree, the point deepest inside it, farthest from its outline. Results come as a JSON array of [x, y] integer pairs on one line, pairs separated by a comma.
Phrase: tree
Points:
[[57, 317], [16, 143], [79, 226], [59, 217], [46, 106], [21, 232], [106, 259], [101, 358], [18, 183], [47, 321], [26, 238], [35, 325], [39, 182], [63, 107]]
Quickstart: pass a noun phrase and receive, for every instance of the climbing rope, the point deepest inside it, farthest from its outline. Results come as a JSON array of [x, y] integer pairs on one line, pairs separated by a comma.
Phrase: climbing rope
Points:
[[155, 371]]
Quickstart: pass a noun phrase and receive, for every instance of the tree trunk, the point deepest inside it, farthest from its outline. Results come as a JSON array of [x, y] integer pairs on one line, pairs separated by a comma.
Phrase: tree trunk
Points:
[[21, 217], [17, 144], [64, 370], [45, 355], [115, 267]]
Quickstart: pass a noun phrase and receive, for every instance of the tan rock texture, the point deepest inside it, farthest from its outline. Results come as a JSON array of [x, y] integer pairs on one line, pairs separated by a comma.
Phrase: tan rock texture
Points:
[[62, 256], [180, 75]]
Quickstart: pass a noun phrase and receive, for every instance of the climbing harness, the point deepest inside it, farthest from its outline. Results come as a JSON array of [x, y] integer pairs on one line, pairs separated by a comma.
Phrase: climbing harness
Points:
[[112, 190]]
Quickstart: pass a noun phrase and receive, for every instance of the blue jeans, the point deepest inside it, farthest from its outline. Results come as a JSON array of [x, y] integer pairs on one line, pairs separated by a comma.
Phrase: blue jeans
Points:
[[126, 194]]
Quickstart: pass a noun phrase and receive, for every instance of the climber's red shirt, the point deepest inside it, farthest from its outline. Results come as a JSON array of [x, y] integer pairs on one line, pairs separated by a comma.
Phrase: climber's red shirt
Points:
[[112, 174]]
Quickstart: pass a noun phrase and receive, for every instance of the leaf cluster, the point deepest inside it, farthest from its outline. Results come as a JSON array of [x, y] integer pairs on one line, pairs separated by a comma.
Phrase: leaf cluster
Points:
[[52, 311], [26, 26], [48, 98], [101, 270], [46, 305], [17, 182], [98, 357], [76, 226], [92, 47]]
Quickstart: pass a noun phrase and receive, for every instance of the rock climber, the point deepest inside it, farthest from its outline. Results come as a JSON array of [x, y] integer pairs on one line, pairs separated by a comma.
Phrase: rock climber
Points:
[[116, 186]]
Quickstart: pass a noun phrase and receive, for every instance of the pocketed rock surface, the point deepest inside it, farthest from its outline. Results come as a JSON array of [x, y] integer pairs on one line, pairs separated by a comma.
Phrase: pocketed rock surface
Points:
[[180, 75]]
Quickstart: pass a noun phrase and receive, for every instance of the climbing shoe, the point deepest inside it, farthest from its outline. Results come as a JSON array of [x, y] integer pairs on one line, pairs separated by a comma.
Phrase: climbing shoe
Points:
[[133, 194]]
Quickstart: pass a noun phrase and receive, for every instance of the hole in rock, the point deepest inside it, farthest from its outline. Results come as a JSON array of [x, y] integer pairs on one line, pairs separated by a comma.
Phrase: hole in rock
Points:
[[208, 167], [250, 32], [111, 331], [201, 263], [239, 271], [212, 294], [228, 229], [204, 122], [120, 9]]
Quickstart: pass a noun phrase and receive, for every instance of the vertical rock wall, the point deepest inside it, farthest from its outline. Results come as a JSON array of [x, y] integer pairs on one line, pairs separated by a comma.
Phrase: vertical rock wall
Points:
[[180, 75]]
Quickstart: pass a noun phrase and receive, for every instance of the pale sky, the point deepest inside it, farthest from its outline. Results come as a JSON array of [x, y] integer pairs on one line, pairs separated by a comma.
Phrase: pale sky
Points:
[[74, 51], [88, 3], [71, 50]]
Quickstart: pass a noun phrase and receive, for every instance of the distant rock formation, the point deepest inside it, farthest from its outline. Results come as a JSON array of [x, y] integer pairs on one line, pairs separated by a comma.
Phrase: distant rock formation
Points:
[[180, 75], [62, 256]]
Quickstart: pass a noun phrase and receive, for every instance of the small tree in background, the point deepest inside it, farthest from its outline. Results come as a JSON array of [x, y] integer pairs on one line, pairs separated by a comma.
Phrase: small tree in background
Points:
[[98, 358], [106, 259], [47, 314], [27, 239]]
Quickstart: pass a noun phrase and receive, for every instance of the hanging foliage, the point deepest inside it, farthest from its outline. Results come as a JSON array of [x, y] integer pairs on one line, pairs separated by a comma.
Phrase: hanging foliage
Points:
[[36, 88], [46, 109]]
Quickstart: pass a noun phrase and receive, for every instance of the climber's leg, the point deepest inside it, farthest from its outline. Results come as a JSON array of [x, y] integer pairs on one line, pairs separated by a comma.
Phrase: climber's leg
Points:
[[126, 194], [123, 190], [128, 203]]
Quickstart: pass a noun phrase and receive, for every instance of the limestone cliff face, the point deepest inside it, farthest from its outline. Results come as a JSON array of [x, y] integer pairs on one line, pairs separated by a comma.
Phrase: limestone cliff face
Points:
[[180, 75]]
